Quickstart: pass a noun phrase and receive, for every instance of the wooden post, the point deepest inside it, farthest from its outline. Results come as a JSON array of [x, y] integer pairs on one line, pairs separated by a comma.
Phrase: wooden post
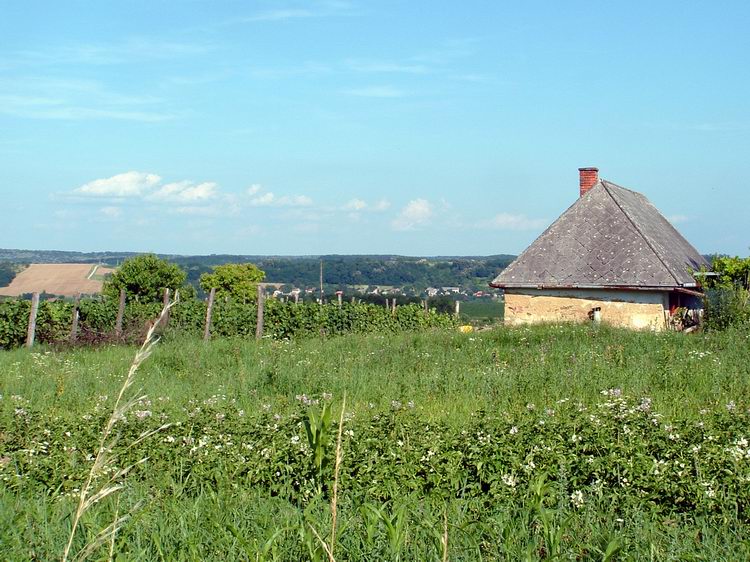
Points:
[[31, 332], [387, 304], [259, 324], [458, 308], [296, 298], [340, 295], [321, 282], [209, 312], [353, 300], [164, 304], [393, 306], [120, 313], [74, 320], [426, 307]]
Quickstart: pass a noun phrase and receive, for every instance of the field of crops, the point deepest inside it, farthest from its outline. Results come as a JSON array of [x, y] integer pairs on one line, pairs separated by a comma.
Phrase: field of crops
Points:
[[571, 442]]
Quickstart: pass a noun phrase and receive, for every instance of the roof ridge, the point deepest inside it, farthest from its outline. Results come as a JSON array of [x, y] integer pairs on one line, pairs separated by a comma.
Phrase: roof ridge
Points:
[[637, 228]]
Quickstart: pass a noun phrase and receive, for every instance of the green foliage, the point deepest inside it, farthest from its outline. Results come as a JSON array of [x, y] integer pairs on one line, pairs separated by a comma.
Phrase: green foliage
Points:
[[14, 321], [551, 442], [238, 281], [8, 272], [727, 295], [144, 279], [230, 319], [730, 272]]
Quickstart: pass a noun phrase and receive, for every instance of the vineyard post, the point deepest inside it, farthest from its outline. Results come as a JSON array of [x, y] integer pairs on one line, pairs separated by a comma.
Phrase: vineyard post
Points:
[[393, 306], [165, 304], [261, 303], [120, 313], [458, 308], [387, 304], [340, 295], [74, 320], [426, 307], [321, 282], [296, 298], [209, 311], [32, 320]]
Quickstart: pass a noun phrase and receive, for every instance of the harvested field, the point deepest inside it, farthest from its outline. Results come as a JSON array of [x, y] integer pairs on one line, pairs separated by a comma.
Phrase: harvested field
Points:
[[66, 279]]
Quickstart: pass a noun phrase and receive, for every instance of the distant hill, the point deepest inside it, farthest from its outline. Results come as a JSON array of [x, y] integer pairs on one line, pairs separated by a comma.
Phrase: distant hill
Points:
[[467, 272]]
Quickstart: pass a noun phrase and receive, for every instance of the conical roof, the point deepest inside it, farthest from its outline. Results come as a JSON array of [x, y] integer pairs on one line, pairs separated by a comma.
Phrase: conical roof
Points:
[[611, 237]]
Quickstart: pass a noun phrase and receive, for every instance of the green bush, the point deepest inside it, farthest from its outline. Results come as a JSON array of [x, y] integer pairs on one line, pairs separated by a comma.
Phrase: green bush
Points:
[[230, 319]]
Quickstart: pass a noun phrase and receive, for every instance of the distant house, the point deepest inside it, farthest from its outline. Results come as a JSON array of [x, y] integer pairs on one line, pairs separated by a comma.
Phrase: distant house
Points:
[[612, 255]]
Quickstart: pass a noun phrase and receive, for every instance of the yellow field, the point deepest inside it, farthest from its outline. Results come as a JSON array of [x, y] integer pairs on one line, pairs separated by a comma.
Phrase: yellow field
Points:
[[66, 279]]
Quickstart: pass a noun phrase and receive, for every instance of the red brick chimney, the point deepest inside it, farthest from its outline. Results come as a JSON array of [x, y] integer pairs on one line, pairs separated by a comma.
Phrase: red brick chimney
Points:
[[588, 179]]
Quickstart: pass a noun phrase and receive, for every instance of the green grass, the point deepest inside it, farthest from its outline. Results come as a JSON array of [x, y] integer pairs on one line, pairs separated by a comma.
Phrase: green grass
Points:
[[229, 502], [483, 311]]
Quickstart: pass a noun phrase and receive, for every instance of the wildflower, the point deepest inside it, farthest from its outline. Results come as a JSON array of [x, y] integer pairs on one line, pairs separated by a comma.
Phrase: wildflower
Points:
[[142, 414], [295, 439], [576, 498], [731, 407], [513, 430], [395, 404], [509, 480]]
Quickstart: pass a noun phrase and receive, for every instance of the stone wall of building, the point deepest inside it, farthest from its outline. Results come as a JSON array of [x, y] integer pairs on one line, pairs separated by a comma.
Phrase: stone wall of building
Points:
[[629, 309]]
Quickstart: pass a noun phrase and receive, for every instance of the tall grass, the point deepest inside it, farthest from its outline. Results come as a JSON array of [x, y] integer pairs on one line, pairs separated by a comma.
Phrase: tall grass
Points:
[[208, 510]]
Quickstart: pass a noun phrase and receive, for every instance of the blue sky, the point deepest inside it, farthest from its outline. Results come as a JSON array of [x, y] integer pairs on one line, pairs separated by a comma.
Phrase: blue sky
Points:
[[417, 128]]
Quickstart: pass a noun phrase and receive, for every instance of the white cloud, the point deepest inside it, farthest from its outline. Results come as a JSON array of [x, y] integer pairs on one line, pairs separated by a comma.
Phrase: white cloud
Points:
[[129, 184], [185, 192], [355, 205], [416, 213], [253, 189], [110, 212], [678, 219], [263, 200], [507, 221], [269, 199]]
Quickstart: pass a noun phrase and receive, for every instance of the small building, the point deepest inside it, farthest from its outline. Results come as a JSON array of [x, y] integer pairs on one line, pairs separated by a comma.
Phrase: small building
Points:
[[612, 255]]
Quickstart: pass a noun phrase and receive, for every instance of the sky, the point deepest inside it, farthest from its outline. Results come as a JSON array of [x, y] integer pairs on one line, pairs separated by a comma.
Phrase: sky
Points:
[[354, 127]]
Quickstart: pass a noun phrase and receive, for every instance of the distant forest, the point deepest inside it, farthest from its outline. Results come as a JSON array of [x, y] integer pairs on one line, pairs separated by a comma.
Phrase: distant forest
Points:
[[471, 272]]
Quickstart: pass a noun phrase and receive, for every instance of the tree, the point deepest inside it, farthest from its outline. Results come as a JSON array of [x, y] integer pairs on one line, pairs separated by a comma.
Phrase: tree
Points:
[[144, 278], [236, 280]]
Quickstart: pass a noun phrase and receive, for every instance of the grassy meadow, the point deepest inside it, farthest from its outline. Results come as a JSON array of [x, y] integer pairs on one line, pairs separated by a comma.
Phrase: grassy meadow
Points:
[[568, 442]]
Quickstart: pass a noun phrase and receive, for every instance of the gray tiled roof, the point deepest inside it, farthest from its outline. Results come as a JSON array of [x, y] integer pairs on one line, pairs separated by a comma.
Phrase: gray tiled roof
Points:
[[610, 237]]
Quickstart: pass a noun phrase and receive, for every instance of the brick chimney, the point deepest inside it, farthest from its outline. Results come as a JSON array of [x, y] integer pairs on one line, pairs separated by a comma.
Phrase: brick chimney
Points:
[[588, 179]]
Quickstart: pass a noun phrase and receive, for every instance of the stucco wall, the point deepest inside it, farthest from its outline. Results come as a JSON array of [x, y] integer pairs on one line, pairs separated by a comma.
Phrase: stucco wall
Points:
[[630, 309]]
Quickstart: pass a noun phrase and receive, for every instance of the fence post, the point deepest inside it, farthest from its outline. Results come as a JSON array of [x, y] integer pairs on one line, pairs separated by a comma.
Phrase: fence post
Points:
[[259, 324], [164, 304], [387, 304], [393, 306], [340, 295], [74, 320], [120, 313], [426, 306], [31, 332], [458, 308], [209, 312]]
